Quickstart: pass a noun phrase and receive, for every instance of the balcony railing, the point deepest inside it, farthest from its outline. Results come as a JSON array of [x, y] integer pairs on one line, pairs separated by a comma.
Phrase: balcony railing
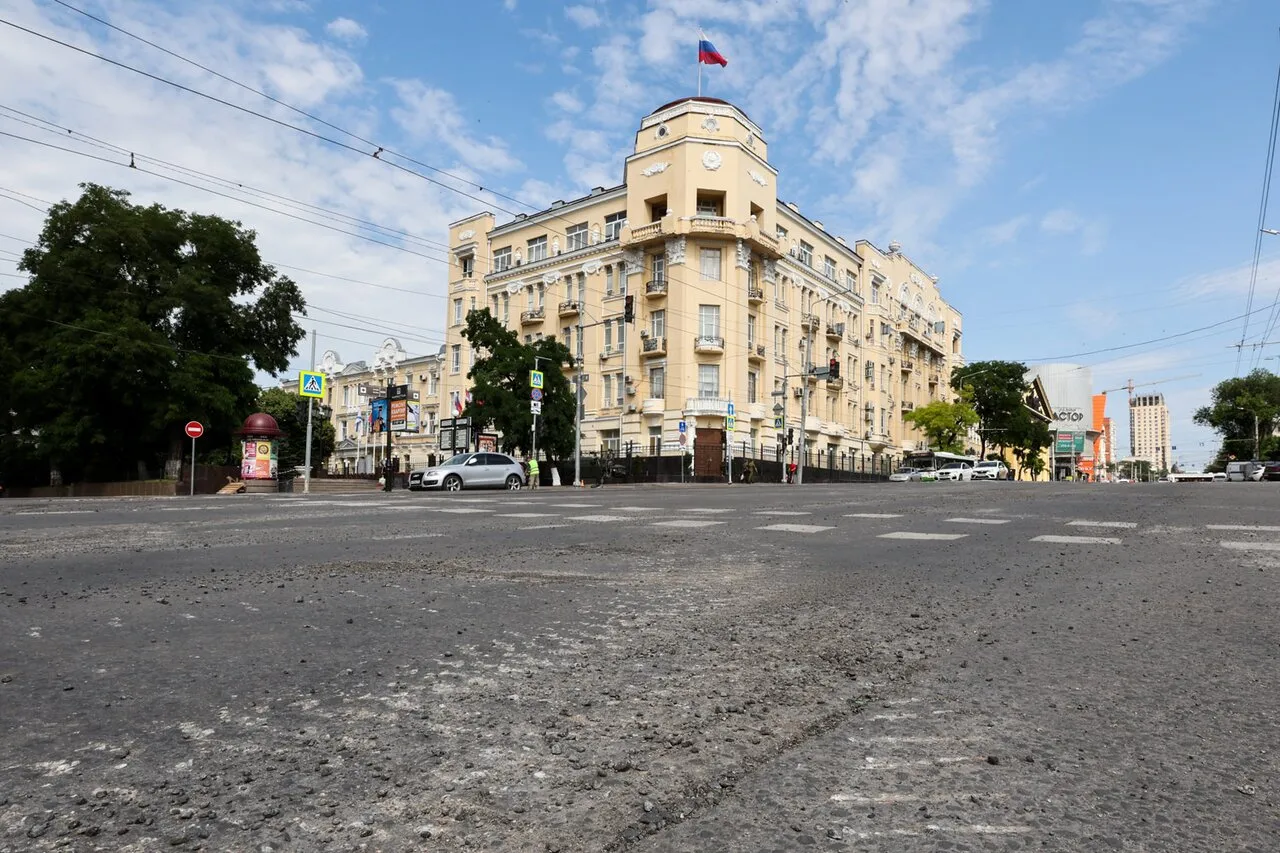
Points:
[[755, 352], [706, 406], [646, 232], [935, 378], [810, 321], [755, 295], [835, 330], [713, 225], [657, 287], [907, 366], [708, 343], [835, 384], [570, 307], [653, 346], [533, 315]]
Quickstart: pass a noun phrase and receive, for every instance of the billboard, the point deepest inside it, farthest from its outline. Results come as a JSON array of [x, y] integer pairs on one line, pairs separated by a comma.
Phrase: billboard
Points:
[[261, 459], [377, 416], [1068, 443]]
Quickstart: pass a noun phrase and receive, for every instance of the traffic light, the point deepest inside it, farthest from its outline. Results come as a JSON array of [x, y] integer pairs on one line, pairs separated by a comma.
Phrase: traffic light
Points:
[[791, 436], [833, 368], [629, 309]]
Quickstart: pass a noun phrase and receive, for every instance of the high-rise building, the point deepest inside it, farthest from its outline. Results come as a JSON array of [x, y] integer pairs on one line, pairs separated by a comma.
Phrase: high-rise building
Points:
[[1149, 430], [733, 291]]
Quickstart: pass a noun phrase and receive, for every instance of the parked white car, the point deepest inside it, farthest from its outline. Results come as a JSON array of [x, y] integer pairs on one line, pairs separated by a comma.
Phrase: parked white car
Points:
[[990, 469], [956, 471], [904, 475]]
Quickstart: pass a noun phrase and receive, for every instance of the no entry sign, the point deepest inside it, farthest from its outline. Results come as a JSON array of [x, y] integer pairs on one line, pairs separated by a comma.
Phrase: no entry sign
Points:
[[195, 429]]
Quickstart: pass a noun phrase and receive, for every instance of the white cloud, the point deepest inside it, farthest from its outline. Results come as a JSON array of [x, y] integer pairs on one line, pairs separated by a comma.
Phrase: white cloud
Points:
[[567, 101], [346, 30], [1003, 232], [1064, 222], [584, 16], [509, 5], [431, 114]]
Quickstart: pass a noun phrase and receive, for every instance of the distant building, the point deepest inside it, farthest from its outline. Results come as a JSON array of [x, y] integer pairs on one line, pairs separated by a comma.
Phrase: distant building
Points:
[[1070, 389], [1149, 430]]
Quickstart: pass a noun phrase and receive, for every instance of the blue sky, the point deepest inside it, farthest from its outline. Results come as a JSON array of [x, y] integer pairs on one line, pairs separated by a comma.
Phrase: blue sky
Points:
[[1079, 175]]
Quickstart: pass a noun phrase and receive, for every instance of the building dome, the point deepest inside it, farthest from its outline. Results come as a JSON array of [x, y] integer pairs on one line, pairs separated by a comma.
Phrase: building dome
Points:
[[701, 100], [262, 425]]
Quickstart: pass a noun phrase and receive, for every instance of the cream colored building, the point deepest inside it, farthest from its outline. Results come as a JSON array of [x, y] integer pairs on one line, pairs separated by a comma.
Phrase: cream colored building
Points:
[[729, 284], [351, 388], [1149, 430]]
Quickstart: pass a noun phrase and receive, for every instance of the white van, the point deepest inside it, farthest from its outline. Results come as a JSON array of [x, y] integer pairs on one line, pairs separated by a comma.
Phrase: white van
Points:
[[1240, 472]]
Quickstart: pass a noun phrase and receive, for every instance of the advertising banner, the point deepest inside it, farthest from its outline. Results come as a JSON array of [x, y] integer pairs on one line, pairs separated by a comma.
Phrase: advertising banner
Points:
[[378, 416], [1068, 443], [261, 459]]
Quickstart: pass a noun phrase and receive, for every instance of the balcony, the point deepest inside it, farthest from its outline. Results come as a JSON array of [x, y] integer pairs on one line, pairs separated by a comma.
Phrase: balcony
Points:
[[718, 225], [812, 424], [755, 352], [656, 288], [907, 366], [654, 406], [834, 384], [935, 378], [532, 316], [908, 406], [755, 295], [706, 407], [653, 347], [651, 231], [570, 308], [810, 322], [835, 331], [704, 225], [708, 344]]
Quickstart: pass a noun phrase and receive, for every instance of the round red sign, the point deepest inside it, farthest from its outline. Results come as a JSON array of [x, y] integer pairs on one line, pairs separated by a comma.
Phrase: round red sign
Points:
[[195, 429]]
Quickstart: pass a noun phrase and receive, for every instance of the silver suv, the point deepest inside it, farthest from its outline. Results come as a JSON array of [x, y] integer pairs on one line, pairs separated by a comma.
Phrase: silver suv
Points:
[[471, 471]]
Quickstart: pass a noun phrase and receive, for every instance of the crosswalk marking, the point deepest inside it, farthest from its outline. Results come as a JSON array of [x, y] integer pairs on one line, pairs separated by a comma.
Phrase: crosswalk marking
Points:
[[600, 518], [1260, 528], [978, 520], [1251, 546], [907, 534], [707, 510], [780, 512], [1078, 540], [687, 522], [636, 508], [1127, 525], [874, 515], [578, 506], [525, 514], [461, 510], [543, 526], [796, 528]]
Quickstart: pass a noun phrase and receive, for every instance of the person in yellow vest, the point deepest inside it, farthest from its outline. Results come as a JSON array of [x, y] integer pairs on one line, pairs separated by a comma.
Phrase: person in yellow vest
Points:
[[533, 472]]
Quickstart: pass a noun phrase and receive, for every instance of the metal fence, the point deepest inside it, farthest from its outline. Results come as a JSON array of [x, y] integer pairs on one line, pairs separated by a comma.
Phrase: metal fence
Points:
[[769, 467]]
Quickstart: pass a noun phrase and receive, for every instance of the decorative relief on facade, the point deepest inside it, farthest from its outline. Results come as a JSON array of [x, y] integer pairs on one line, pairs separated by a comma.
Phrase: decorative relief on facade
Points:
[[770, 271], [591, 267], [466, 235], [555, 245], [551, 277], [518, 257], [757, 177], [751, 140], [710, 124], [875, 262], [744, 256], [711, 160], [595, 234], [675, 250], [655, 169], [634, 261], [516, 286], [915, 279], [661, 131]]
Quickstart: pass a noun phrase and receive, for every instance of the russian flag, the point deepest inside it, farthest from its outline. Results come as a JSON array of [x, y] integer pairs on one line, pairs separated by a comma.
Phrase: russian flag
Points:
[[708, 55]]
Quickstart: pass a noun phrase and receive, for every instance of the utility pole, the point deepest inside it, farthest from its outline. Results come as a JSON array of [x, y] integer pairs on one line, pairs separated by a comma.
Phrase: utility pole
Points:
[[386, 425], [306, 483], [804, 403], [537, 361], [783, 434], [577, 412]]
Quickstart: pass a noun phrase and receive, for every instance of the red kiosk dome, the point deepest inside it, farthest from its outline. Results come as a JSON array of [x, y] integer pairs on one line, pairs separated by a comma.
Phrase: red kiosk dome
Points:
[[260, 425]]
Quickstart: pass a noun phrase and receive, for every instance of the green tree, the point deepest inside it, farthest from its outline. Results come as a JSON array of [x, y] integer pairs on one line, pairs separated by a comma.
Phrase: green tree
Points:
[[135, 320], [997, 391], [1028, 437], [945, 424], [290, 412], [500, 387], [1244, 407]]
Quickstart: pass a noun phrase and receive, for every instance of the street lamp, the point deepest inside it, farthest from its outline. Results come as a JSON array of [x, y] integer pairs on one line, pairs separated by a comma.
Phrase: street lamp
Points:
[[1271, 231]]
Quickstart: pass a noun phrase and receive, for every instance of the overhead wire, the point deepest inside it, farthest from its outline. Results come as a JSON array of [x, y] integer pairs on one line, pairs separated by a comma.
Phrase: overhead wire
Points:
[[1262, 214]]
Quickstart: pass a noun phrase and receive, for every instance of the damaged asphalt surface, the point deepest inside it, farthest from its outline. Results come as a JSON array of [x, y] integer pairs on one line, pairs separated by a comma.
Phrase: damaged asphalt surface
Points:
[[645, 669]]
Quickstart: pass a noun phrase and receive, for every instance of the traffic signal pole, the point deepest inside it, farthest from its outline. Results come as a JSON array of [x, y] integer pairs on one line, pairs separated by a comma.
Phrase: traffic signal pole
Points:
[[306, 482]]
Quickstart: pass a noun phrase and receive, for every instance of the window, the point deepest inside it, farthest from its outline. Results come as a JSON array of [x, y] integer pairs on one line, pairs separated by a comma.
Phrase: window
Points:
[[657, 208], [658, 267], [455, 358], [709, 380], [608, 281], [658, 382], [582, 288], [613, 225], [778, 348], [608, 338], [870, 371], [468, 265], [655, 440], [753, 382], [537, 249], [472, 306], [542, 295], [658, 323], [782, 233], [608, 389], [457, 312], [620, 383], [506, 308], [528, 299], [502, 259], [751, 330], [804, 254], [709, 321], [528, 339], [710, 204], [494, 308], [609, 439], [850, 281], [567, 336], [576, 237], [472, 354], [829, 267], [875, 293], [432, 381], [710, 264]]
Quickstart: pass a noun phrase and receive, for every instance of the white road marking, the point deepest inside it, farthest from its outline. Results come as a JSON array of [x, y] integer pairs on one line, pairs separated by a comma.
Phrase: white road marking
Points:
[[1078, 540], [873, 763], [875, 800], [891, 740], [979, 829], [780, 512], [473, 500], [978, 520], [600, 518], [874, 515], [636, 508], [1251, 546], [1261, 528], [544, 526], [525, 515], [911, 701], [907, 716], [905, 534], [55, 512], [460, 510], [1127, 525], [707, 510], [578, 506], [796, 528], [687, 522]]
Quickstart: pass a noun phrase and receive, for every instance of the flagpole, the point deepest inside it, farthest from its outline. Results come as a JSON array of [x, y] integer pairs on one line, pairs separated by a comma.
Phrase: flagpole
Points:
[[699, 60]]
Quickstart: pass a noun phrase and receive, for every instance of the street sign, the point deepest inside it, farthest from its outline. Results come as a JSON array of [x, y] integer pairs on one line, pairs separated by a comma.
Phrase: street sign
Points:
[[730, 422], [310, 384], [777, 393], [535, 407], [535, 379], [684, 438], [684, 427], [820, 372], [777, 408], [777, 423], [536, 395], [731, 410], [195, 429]]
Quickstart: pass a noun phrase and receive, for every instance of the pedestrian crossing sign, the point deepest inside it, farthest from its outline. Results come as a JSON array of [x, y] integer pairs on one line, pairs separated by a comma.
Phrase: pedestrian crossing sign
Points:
[[310, 384]]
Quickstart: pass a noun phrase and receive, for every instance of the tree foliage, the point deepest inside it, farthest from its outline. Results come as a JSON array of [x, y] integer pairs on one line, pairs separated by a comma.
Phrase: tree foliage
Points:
[[500, 387], [997, 391], [945, 424], [1235, 404], [1028, 437], [290, 412], [135, 320]]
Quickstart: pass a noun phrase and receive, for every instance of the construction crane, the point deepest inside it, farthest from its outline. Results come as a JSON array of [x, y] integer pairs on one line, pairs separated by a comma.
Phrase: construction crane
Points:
[[1129, 386]]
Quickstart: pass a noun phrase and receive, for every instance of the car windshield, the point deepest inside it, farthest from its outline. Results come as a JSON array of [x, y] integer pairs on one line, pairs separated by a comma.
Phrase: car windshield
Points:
[[905, 471], [953, 466], [457, 460], [987, 464]]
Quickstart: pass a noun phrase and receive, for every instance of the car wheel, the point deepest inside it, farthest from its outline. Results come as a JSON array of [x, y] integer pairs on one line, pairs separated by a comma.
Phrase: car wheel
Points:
[[513, 483], [453, 483]]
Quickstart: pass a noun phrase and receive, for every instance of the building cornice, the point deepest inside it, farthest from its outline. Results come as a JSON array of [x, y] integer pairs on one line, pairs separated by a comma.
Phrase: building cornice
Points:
[[703, 140], [701, 108], [574, 261], [619, 191]]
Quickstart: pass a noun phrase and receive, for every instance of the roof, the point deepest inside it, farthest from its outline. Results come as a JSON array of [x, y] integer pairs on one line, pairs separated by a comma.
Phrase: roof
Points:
[[701, 100]]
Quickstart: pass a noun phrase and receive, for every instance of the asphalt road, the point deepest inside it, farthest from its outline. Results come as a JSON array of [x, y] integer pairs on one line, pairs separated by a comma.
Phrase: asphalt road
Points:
[[968, 666]]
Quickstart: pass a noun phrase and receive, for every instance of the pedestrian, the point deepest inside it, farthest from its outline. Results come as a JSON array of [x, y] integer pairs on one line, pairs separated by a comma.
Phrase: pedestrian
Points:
[[532, 466], [750, 472]]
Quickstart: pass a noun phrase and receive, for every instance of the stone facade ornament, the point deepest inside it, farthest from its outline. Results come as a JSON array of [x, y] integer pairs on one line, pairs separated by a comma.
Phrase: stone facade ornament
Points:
[[675, 250], [915, 279], [518, 257], [655, 169], [551, 277], [710, 124], [515, 287], [751, 140], [555, 245], [875, 262], [744, 255], [591, 267], [466, 235], [711, 160], [757, 177], [595, 234], [661, 131], [634, 261], [770, 271]]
